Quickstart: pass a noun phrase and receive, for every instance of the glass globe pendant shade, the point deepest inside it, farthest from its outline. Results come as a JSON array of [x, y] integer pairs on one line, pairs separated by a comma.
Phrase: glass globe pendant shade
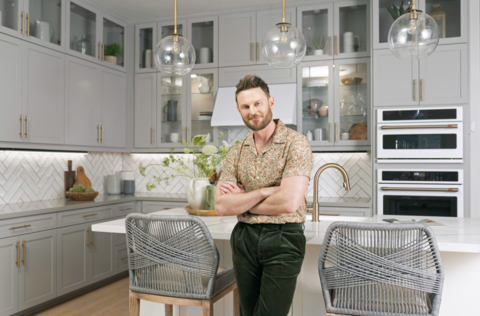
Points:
[[283, 46], [174, 55], [413, 35]]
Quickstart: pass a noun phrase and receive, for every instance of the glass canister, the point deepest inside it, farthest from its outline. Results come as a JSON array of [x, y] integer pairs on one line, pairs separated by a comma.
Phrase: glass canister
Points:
[[84, 46]]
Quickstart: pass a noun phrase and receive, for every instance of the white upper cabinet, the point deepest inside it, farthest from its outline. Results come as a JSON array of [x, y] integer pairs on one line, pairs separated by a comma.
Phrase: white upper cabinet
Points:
[[203, 34], [44, 95], [145, 110], [11, 60], [114, 108], [145, 42], [40, 22], [450, 15], [237, 37]]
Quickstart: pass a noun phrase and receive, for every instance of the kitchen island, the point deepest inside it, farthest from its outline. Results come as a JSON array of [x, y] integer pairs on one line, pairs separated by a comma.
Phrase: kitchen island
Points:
[[458, 240]]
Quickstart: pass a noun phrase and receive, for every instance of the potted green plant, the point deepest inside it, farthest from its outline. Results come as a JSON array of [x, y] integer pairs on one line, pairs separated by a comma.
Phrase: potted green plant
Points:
[[111, 52], [200, 164], [397, 12], [319, 43]]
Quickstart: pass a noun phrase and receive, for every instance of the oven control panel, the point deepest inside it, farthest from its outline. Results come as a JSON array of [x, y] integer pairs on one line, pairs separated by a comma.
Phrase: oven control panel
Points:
[[412, 176]]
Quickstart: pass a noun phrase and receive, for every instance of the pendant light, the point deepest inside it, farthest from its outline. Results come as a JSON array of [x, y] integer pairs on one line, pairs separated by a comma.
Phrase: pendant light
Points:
[[284, 46], [413, 35], [174, 54]]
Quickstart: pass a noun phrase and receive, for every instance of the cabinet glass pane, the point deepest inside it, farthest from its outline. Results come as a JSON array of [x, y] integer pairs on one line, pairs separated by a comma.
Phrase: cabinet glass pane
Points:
[[113, 39], [385, 19], [202, 40], [315, 102], [353, 103], [46, 20], [420, 141], [352, 29], [168, 30], [83, 25], [171, 109], [202, 104], [315, 30], [447, 14], [146, 48], [9, 14]]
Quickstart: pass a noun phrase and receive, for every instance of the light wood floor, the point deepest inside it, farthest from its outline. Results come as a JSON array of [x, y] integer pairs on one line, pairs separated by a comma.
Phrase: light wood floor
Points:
[[110, 300]]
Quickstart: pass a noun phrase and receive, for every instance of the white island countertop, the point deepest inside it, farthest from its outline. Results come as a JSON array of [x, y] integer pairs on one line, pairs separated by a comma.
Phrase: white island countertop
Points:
[[458, 234]]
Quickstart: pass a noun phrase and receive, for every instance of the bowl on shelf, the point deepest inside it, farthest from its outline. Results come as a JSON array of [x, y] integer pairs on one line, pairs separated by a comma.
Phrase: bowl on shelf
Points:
[[316, 83], [355, 80], [205, 116], [82, 196]]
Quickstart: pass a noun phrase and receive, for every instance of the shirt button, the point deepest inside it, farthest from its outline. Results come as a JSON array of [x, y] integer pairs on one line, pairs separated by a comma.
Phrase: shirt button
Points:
[[258, 177]]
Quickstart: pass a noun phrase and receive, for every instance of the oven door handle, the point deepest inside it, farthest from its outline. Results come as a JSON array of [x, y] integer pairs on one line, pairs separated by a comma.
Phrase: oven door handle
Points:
[[420, 189], [419, 126]]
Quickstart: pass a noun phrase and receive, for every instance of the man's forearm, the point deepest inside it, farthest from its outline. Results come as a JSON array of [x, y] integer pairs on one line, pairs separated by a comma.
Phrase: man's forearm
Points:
[[235, 204], [278, 203]]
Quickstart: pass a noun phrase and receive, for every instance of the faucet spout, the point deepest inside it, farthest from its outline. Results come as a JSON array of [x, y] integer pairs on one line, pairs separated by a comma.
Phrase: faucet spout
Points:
[[315, 209]]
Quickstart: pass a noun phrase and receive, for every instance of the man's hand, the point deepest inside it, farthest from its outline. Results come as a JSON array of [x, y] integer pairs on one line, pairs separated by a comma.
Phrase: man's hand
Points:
[[227, 187]]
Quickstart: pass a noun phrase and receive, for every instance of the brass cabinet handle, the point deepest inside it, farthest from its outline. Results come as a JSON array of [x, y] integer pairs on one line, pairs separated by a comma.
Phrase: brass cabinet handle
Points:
[[28, 24], [99, 51], [330, 44], [23, 23], [422, 95], [420, 126], [18, 254], [103, 51], [93, 238], [251, 52], [330, 133], [98, 133], [24, 253], [26, 131], [187, 135], [336, 132], [420, 189], [88, 233], [153, 59], [125, 209], [258, 51], [123, 258], [336, 45], [101, 127], [21, 126], [183, 134], [24, 226], [153, 139], [414, 89], [85, 216]]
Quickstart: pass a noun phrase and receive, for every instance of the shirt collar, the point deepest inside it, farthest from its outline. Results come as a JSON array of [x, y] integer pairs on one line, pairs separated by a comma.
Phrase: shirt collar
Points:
[[279, 136]]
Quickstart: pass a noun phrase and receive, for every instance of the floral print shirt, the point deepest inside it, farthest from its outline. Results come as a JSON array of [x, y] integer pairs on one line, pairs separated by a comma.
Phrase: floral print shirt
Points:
[[288, 153]]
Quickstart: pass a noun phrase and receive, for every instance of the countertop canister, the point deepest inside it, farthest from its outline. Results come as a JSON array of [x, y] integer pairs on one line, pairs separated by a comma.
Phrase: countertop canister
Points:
[[129, 186], [113, 184], [125, 174]]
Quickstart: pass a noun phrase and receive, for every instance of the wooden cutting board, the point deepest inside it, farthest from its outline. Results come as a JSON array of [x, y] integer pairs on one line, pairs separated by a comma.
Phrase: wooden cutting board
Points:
[[82, 178], [192, 211], [69, 177]]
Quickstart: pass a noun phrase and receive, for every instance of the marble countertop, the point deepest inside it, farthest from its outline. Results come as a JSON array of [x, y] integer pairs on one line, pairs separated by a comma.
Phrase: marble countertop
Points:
[[13, 210], [457, 234]]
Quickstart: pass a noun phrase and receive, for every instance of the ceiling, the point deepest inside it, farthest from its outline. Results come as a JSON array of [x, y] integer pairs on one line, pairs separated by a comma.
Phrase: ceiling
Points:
[[141, 10]]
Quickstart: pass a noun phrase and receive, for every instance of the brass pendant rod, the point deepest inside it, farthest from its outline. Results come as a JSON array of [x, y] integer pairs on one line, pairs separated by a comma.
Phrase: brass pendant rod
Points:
[[175, 27], [413, 4], [283, 18]]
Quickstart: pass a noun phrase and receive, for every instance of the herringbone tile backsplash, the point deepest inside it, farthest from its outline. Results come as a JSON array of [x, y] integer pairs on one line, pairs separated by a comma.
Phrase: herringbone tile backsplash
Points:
[[26, 177]]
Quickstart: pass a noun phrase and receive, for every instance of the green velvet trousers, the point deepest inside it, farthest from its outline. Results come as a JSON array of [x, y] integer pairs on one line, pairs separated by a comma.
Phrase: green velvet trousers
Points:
[[267, 259]]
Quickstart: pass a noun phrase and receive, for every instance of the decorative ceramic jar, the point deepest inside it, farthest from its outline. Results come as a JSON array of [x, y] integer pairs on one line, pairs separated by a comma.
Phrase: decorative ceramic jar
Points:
[[126, 174], [113, 184], [196, 193], [129, 186]]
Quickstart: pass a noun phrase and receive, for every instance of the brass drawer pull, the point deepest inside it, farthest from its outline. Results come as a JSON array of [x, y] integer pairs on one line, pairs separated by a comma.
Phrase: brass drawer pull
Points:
[[26, 121], [123, 258], [18, 254], [103, 57], [24, 226], [258, 51], [251, 53], [414, 89], [420, 126], [125, 209], [99, 51], [421, 189], [24, 253], [21, 126], [336, 132], [85, 216], [98, 133], [28, 24], [93, 238], [23, 23], [102, 133], [88, 233]]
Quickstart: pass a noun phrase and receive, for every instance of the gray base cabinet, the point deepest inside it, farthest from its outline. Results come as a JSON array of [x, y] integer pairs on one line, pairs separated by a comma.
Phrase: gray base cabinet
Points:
[[101, 257], [37, 274], [9, 267]]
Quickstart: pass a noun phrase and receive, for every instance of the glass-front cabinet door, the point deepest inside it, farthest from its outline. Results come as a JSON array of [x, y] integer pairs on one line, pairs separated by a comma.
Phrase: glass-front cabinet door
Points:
[[203, 34], [450, 15], [145, 42], [352, 95], [316, 99], [12, 17], [202, 88], [316, 24], [352, 29], [45, 22], [83, 29], [113, 43], [171, 113]]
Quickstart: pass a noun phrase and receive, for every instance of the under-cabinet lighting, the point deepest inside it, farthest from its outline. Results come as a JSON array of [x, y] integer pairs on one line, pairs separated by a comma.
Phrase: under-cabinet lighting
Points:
[[33, 151]]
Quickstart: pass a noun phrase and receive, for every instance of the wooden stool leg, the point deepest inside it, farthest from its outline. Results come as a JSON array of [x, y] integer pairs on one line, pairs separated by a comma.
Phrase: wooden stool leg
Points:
[[207, 308], [236, 303], [134, 305], [168, 310]]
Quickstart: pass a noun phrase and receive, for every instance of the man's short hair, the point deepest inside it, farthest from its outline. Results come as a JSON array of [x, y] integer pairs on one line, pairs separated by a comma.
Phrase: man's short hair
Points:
[[250, 82]]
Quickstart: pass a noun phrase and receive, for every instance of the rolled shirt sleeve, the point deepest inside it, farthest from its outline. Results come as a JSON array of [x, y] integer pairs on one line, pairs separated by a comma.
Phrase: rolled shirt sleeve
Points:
[[299, 159]]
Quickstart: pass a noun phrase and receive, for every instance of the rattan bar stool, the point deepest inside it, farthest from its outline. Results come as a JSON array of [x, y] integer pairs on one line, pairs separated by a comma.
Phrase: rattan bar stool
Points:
[[174, 261], [380, 269]]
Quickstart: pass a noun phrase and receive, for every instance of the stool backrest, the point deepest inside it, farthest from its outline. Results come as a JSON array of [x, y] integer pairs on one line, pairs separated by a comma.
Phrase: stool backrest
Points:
[[171, 256], [387, 269]]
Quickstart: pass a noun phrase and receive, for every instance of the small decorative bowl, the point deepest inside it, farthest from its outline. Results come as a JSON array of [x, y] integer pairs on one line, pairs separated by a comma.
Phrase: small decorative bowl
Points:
[[82, 196], [350, 80]]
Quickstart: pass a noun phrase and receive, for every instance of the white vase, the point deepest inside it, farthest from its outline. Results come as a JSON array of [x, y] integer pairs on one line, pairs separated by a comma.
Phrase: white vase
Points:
[[318, 52], [196, 193]]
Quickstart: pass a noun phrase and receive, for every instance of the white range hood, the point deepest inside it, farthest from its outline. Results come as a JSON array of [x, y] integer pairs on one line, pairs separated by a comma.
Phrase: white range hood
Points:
[[225, 112]]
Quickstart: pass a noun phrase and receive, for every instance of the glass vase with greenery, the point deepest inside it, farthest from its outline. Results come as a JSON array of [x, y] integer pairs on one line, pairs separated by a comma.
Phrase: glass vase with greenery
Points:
[[203, 162]]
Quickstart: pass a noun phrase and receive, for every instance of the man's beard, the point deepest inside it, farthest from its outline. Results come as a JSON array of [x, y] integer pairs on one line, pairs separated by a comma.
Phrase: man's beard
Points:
[[263, 123]]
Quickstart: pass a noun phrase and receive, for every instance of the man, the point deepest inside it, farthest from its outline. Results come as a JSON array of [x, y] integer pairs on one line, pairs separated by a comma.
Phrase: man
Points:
[[264, 181]]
